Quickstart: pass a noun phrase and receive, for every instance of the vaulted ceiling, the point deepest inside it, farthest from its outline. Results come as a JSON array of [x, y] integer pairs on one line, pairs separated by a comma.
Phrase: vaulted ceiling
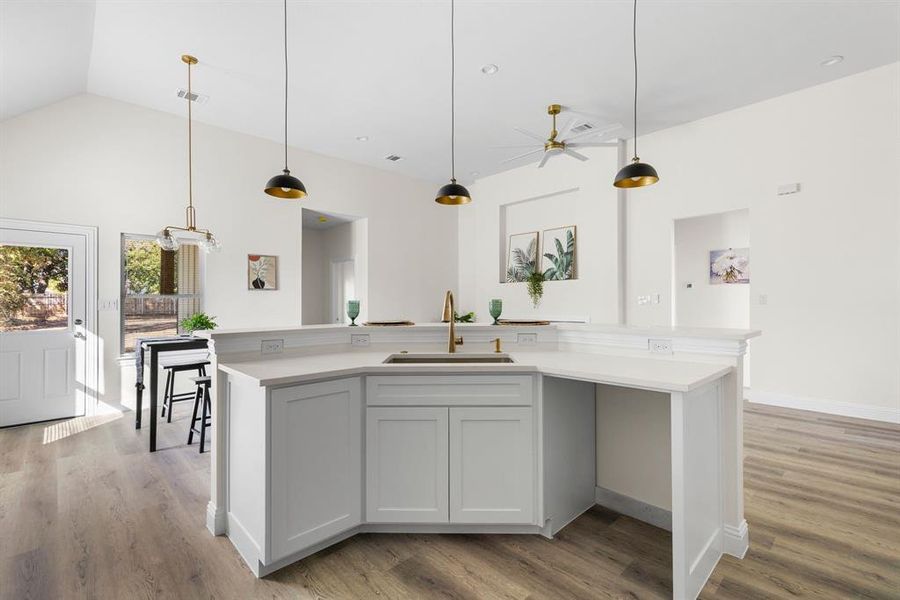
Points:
[[381, 69]]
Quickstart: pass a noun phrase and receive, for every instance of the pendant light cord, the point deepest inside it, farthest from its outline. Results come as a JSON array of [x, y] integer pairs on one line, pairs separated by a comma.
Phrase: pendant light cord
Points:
[[190, 145], [285, 88], [452, 92], [634, 45]]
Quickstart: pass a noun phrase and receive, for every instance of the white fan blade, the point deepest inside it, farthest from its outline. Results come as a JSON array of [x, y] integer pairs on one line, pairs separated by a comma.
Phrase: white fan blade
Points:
[[598, 131], [566, 128], [544, 160], [515, 146], [592, 145], [522, 156], [574, 154], [533, 136]]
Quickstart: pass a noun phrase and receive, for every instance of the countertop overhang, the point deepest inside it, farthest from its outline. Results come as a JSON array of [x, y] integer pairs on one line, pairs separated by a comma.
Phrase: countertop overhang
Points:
[[651, 373]]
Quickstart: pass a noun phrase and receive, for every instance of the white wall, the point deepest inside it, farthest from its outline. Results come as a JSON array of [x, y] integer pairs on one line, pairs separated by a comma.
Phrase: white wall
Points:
[[827, 259], [564, 192], [94, 161], [705, 304]]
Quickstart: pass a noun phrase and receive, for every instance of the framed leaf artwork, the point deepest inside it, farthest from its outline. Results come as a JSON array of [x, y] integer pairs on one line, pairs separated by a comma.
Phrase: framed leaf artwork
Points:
[[521, 256], [262, 272], [558, 254]]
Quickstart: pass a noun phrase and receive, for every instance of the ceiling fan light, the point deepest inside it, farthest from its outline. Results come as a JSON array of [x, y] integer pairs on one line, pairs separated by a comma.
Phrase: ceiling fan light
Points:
[[637, 174], [453, 194], [285, 186]]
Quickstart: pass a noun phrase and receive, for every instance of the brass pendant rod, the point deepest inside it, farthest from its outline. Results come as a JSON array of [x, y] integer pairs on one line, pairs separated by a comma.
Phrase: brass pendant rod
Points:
[[285, 87], [190, 150]]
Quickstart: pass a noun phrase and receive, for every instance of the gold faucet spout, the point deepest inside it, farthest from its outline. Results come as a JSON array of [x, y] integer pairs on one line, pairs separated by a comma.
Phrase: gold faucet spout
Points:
[[449, 316]]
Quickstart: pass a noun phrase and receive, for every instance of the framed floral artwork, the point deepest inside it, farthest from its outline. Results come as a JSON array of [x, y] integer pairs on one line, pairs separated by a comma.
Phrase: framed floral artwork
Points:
[[729, 266], [262, 272]]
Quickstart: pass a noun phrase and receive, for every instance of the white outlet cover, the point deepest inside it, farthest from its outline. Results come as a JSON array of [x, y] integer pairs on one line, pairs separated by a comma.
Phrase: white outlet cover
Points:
[[527, 339], [661, 346], [271, 346], [359, 339]]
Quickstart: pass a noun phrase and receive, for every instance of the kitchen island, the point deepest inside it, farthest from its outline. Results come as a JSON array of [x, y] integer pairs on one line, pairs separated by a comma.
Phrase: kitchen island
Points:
[[321, 438]]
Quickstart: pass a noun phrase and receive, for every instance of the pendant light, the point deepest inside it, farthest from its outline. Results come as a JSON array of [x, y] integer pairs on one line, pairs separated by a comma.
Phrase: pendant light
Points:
[[453, 193], [166, 237], [285, 185], [637, 174]]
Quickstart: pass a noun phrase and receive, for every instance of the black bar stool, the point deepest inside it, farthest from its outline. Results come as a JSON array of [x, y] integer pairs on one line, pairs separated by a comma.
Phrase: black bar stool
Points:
[[179, 365], [205, 418]]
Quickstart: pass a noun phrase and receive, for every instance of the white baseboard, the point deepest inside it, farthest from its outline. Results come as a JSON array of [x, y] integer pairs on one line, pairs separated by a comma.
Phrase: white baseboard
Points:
[[821, 405], [736, 540], [658, 517], [215, 519]]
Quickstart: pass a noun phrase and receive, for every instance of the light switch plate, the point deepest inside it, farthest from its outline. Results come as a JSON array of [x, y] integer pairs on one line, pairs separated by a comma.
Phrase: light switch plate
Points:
[[108, 304], [272, 347], [360, 340], [643, 299], [527, 339], [661, 346]]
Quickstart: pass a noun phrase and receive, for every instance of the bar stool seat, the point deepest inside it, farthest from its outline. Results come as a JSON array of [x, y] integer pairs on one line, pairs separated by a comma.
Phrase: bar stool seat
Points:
[[179, 364], [201, 401]]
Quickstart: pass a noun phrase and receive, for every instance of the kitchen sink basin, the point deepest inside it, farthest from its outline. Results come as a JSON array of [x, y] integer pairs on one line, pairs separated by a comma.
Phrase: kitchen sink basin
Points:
[[447, 358]]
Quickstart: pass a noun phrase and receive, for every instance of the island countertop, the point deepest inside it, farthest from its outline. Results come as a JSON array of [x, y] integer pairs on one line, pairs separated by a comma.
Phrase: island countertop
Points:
[[651, 373]]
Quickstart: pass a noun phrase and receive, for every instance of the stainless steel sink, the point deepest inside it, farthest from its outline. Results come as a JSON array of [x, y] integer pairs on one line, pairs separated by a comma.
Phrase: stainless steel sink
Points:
[[447, 358]]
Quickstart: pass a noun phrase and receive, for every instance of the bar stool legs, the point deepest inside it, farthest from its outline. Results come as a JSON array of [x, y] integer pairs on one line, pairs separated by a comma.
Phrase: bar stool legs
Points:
[[202, 402]]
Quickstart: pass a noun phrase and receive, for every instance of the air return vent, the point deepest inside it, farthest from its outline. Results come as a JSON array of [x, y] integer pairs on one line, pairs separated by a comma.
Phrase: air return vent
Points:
[[393, 157], [194, 96], [582, 127]]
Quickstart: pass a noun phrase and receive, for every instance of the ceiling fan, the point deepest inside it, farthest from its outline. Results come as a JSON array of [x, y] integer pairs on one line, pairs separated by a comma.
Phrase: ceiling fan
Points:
[[558, 143]]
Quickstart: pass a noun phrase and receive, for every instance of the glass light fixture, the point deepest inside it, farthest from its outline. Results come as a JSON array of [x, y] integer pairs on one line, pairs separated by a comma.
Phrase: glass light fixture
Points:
[[166, 238], [453, 193], [637, 174], [285, 185]]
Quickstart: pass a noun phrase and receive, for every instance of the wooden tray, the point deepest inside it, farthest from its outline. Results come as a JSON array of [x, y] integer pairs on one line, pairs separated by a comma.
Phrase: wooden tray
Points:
[[388, 323], [521, 322]]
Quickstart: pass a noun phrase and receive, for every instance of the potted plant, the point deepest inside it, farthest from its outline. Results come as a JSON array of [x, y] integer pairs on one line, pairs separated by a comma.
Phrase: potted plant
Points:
[[535, 287], [198, 321]]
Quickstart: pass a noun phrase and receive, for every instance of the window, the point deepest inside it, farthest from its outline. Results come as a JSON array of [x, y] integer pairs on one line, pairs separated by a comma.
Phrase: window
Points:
[[159, 288], [34, 284]]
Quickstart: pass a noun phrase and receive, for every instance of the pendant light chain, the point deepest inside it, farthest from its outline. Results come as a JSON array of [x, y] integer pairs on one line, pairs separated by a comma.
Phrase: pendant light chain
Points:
[[285, 87], [452, 92], [634, 44]]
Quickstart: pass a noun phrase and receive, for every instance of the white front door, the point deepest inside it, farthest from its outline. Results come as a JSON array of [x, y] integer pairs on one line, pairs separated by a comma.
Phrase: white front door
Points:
[[42, 334]]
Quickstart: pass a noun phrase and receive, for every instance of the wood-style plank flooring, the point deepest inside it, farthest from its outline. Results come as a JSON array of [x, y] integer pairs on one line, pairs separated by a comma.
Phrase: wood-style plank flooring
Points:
[[87, 512]]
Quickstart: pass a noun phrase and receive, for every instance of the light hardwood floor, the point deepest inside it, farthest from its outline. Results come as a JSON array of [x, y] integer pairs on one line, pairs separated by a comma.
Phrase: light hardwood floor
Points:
[[87, 512]]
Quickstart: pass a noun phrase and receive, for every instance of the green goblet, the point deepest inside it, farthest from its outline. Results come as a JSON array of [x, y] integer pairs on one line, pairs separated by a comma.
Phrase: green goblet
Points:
[[353, 311], [496, 308]]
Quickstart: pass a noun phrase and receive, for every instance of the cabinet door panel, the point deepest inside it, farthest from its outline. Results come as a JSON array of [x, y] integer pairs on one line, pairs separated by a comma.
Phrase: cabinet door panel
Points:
[[406, 465], [316, 480], [492, 464]]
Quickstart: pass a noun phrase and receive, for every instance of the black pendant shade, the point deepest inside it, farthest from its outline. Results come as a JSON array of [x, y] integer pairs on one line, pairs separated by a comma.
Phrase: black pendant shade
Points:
[[285, 186], [637, 174], [453, 194]]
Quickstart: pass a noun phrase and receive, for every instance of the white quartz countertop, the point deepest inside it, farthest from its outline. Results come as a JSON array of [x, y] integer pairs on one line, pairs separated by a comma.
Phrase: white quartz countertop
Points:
[[629, 371]]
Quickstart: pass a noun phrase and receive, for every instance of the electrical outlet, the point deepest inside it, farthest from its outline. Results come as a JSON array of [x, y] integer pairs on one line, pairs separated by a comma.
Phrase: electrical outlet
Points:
[[661, 346], [272, 347], [360, 340], [527, 339], [643, 300]]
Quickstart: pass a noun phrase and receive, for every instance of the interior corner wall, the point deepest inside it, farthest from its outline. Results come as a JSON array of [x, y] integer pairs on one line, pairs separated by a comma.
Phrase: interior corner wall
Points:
[[123, 168], [564, 192], [321, 247], [825, 262]]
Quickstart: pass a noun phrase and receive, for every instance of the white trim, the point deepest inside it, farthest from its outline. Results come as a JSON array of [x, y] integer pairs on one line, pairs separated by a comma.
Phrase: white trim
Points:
[[216, 519], [631, 507], [822, 405], [92, 344], [736, 540]]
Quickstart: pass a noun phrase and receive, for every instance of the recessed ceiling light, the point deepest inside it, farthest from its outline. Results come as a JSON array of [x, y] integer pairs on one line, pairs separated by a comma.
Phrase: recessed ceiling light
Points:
[[832, 60], [362, 138], [474, 173], [490, 69]]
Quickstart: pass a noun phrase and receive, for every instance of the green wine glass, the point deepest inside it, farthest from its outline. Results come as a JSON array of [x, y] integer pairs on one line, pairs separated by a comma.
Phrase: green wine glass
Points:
[[353, 311], [496, 308]]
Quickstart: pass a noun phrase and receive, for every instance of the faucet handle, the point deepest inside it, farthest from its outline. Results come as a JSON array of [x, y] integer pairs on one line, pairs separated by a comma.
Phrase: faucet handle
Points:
[[458, 341], [496, 342]]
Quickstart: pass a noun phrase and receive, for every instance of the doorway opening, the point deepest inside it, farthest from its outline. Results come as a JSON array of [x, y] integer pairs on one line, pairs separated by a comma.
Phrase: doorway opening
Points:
[[334, 265], [711, 273]]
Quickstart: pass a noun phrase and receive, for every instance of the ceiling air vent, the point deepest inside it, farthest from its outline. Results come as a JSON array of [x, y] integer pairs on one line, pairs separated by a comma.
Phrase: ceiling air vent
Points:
[[194, 96], [582, 127], [393, 157]]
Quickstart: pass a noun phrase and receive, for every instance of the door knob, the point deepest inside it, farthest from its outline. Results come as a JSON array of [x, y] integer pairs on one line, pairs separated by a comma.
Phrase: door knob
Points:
[[78, 321]]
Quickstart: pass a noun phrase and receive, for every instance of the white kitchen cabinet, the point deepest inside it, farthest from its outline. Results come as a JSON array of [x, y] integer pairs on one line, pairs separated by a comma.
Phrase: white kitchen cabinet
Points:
[[406, 465], [316, 461], [492, 465]]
